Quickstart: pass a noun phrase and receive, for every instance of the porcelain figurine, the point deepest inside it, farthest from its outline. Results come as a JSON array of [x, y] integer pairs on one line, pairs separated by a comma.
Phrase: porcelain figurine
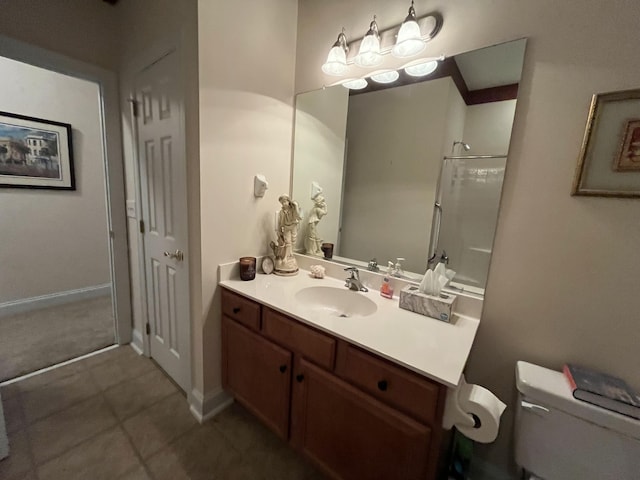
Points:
[[313, 242], [287, 229]]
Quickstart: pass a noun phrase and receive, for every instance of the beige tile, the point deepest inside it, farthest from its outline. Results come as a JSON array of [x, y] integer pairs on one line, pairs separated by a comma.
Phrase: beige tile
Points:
[[13, 415], [105, 457], [43, 379], [263, 449], [53, 397], [158, 425], [241, 428], [125, 367], [138, 473], [68, 428], [9, 391], [132, 396], [18, 463], [202, 453]]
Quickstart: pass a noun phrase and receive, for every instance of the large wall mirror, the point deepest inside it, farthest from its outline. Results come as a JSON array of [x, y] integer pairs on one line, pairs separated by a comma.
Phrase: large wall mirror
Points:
[[412, 169]]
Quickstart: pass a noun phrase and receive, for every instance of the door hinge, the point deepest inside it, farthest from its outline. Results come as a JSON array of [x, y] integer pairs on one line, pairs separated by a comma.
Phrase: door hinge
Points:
[[148, 329], [134, 106], [141, 226]]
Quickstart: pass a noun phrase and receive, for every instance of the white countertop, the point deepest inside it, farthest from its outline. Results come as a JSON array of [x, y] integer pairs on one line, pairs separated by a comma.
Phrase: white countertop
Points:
[[432, 348]]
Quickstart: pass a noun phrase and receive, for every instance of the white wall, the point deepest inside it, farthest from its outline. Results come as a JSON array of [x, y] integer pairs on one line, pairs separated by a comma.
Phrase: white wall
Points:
[[318, 149], [395, 139], [586, 310], [246, 120], [54, 241], [488, 127]]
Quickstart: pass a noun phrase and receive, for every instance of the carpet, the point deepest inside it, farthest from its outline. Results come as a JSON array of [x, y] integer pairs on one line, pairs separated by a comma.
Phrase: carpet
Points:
[[37, 339], [4, 441]]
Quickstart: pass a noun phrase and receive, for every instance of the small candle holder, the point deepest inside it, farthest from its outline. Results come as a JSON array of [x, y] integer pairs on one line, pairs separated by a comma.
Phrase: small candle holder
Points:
[[247, 268], [327, 249]]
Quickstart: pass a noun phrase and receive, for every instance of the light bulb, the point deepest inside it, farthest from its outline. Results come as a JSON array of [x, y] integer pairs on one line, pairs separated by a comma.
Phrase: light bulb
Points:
[[409, 41], [336, 63], [389, 76], [355, 84], [422, 69], [369, 54]]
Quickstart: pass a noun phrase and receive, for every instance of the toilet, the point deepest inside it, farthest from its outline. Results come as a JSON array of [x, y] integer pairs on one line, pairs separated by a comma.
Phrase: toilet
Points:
[[560, 438]]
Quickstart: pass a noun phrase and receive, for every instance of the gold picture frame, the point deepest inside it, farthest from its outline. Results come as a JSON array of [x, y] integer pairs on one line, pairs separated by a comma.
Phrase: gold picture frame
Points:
[[609, 162]]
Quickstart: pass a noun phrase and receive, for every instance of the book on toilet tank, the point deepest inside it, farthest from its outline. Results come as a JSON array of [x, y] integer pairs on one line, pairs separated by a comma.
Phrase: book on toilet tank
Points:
[[603, 390]]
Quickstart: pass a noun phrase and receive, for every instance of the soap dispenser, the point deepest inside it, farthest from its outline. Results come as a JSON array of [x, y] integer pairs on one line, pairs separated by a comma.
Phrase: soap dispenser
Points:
[[386, 290]]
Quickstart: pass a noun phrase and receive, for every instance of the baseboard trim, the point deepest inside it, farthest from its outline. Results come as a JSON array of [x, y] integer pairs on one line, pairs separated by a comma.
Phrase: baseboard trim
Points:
[[137, 342], [59, 298], [206, 407]]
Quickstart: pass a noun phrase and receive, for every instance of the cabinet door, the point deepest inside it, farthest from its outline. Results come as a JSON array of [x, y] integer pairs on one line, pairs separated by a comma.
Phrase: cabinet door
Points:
[[353, 435], [258, 373]]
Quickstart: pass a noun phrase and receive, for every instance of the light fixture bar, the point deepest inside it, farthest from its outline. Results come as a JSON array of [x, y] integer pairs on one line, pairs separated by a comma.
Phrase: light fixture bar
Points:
[[430, 25]]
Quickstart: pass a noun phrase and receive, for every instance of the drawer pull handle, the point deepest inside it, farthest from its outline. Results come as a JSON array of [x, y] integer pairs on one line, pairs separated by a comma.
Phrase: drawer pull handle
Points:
[[236, 309], [299, 378], [283, 368], [382, 385]]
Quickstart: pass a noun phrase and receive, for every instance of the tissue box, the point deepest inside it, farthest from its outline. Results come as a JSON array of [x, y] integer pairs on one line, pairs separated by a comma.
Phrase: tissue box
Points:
[[440, 308]]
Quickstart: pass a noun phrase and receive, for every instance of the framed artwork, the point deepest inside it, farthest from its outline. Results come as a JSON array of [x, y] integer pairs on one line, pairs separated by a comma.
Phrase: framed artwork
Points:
[[35, 153], [609, 163]]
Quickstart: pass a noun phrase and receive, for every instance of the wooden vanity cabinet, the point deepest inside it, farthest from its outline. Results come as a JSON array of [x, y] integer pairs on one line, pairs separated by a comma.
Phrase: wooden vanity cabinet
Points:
[[258, 373], [354, 414], [350, 434]]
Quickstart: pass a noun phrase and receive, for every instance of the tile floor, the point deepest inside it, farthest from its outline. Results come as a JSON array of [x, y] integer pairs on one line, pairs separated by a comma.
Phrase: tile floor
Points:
[[117, 416]]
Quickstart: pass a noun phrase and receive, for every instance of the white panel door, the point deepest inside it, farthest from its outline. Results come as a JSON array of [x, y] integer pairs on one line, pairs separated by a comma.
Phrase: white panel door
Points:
[[163, 182]]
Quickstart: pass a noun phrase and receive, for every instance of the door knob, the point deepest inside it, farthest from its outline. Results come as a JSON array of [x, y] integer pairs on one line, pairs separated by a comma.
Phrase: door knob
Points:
[[177, 255]]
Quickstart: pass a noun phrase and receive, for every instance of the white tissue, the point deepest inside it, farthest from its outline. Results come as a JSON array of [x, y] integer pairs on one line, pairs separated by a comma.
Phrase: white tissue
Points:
[[435, 280]]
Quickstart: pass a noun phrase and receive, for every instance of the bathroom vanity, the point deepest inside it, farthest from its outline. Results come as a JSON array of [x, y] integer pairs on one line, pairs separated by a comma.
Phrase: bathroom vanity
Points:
[[360, 392]]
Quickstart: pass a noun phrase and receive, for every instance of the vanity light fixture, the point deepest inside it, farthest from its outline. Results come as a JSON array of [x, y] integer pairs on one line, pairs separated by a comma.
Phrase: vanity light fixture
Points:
[[336, 63], [355, 84], [369, 54], [385, 76], [409, 41]]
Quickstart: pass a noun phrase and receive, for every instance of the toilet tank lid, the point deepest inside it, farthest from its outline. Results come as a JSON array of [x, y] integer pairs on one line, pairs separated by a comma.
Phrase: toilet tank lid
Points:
[[551, 389]]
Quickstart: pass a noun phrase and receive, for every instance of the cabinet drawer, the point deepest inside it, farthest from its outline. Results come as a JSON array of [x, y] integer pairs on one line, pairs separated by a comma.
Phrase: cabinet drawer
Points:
[[241, 309], [291, 334], [404, 390]]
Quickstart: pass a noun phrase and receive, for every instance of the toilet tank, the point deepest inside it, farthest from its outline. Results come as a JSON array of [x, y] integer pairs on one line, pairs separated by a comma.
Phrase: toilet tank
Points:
[[560, 438]]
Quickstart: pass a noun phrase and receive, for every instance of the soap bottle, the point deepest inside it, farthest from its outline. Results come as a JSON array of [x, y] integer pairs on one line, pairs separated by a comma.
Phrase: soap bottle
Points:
[[386, 290]]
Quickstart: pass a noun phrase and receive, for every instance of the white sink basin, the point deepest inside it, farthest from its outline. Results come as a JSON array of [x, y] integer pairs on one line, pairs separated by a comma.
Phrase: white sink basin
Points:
[[339, 302]]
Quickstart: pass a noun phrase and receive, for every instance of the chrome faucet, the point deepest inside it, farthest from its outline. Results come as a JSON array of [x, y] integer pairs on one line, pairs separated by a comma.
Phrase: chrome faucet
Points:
[[353, 282], [373, 265]]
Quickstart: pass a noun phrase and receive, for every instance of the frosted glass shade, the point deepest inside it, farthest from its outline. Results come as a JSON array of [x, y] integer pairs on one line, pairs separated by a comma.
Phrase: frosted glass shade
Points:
[[385, 77], [356, 84], [422, 69], [336, 63], [409, 42], [369, 53]]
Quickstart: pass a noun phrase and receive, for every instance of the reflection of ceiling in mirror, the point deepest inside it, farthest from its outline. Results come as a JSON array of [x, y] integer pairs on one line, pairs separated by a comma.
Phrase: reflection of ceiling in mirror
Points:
[[492, 66]]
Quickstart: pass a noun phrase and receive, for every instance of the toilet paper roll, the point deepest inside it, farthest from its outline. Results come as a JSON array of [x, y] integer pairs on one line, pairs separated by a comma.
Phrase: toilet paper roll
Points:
[[474, 411]]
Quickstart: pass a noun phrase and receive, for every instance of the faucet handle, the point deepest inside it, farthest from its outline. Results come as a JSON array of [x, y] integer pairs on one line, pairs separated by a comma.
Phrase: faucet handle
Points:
[[353, 270]]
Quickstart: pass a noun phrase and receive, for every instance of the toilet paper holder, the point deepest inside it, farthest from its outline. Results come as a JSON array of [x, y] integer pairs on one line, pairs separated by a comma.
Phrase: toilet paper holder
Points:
[[474, 411]]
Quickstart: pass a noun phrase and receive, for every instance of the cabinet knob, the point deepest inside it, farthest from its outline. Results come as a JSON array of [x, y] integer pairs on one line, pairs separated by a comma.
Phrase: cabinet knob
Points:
[[283, 368], [382, 385], [299, 378], [236, 309]]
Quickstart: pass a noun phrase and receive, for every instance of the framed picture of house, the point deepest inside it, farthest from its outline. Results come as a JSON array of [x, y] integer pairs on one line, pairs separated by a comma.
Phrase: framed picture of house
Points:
[[609, 163], [35, 153]]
